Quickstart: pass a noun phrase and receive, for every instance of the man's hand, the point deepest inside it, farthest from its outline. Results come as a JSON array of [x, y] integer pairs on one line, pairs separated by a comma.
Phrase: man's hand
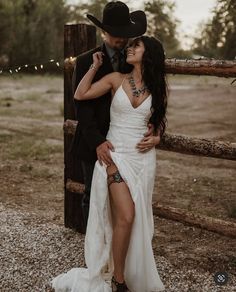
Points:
[[148, 143], [150, 131], [150, 140], [103, 153]]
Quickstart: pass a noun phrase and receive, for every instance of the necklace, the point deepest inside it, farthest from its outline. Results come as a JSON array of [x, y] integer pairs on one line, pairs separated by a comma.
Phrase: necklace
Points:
[[135, 91]]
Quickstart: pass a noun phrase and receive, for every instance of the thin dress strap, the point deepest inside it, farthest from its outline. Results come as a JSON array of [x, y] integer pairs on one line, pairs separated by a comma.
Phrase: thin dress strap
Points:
[[123, 79]]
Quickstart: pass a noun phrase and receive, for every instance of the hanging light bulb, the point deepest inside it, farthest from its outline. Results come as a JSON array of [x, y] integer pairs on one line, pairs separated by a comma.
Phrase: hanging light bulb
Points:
[[36, 66]]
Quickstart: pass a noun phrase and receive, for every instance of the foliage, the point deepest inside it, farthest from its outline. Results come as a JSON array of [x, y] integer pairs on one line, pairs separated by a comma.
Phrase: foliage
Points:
[[218, 35], [162, 24], [32, 31], [94, 7]]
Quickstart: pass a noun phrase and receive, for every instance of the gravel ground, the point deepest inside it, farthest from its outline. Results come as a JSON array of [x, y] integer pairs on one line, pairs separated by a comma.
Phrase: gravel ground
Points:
[[34, 250]]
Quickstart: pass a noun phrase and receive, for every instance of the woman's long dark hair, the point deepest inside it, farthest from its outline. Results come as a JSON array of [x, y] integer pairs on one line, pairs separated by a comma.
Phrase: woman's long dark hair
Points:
[[154, 77]]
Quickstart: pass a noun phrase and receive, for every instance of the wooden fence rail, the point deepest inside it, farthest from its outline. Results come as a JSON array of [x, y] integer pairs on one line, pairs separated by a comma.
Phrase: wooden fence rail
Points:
[[82, 37], [183, 144], [220, 226], [212, 67]]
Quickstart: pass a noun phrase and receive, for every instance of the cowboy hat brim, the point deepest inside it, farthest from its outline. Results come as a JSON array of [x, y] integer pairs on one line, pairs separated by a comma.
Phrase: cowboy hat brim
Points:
[[137, 27]]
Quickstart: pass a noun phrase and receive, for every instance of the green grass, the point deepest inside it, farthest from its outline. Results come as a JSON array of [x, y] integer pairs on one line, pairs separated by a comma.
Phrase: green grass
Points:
[[5, 137], [231, 209], [35, 171], [31, 149], [61, 109], [32, 96]]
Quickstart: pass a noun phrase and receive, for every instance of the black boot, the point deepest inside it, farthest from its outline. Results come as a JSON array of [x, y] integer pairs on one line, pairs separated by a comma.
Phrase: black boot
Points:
[[118, 287]]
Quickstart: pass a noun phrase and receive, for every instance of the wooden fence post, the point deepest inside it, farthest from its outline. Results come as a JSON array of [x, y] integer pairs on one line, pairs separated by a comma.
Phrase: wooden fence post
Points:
[[78, 38]]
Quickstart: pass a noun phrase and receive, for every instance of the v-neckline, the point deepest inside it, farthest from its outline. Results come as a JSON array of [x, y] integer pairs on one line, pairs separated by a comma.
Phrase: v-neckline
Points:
[[130, 100]]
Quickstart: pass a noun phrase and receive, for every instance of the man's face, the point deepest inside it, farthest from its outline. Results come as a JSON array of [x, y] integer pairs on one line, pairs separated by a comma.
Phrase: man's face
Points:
[[116, 43]]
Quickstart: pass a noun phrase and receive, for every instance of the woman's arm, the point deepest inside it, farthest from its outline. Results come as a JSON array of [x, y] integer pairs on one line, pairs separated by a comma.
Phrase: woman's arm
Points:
[[87, 90]]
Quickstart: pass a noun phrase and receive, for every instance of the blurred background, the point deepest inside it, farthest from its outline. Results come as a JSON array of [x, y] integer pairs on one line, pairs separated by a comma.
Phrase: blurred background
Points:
[[31, 31]]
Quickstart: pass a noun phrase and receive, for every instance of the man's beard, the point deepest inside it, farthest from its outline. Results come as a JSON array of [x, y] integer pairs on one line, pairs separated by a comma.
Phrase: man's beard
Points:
[[120, 45]]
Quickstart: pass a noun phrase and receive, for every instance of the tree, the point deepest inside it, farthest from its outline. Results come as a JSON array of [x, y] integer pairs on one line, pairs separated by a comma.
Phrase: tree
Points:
[[162, 24], [32, 31], [94, 7], [218, 35]]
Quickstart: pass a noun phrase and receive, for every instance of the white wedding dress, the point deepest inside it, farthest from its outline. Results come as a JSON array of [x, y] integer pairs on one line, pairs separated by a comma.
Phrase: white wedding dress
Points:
[[127, 126]]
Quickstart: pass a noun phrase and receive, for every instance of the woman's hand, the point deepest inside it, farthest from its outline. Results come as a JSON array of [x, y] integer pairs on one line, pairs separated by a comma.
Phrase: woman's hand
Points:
[[97, 59], [147, 143], [88, 90]]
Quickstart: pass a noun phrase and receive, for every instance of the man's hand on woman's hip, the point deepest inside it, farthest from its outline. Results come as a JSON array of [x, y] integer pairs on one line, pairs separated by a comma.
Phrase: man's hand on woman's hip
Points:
[[150, 140], [103, 153]]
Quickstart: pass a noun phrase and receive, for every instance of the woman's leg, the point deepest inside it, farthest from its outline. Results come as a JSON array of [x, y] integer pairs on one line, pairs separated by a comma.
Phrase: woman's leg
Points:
[[123, 212]]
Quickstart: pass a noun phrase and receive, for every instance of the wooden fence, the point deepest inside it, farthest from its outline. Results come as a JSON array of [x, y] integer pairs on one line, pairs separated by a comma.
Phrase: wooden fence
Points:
[[81, 37]]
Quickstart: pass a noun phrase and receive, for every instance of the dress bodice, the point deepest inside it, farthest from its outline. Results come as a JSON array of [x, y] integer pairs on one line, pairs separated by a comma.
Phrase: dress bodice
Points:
[[127, 124]]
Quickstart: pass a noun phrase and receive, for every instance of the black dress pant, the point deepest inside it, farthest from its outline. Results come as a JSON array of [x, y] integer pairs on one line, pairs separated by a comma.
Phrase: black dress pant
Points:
[[87, 169]]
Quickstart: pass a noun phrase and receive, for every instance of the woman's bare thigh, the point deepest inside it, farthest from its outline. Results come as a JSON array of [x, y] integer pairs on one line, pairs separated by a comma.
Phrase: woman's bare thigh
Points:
[[122, 204]]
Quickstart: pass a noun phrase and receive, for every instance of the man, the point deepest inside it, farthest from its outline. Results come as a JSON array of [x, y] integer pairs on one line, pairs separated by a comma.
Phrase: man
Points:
[[90, 144]]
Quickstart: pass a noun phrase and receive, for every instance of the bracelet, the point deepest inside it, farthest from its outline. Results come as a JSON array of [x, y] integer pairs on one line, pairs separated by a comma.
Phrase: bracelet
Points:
[[93, 67]]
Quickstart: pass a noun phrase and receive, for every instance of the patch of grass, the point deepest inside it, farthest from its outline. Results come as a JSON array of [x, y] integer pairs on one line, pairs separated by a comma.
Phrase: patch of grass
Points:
[[32, 96], [42, 173], [6, 101], [231, 209], [6, 98], [52, 90], [30, 149], [26, 168], [37, 171], [5, 137], [61, 109]]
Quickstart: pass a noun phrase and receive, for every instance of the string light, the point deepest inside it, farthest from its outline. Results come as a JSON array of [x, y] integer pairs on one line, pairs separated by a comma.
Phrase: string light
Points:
[[35, 66]]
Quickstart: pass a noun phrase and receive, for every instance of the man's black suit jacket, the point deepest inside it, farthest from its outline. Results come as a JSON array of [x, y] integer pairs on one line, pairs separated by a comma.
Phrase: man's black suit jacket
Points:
[[93, 115]]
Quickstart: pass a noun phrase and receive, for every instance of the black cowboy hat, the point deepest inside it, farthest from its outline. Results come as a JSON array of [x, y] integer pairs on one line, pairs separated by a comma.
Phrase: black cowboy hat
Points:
[[118, 22]]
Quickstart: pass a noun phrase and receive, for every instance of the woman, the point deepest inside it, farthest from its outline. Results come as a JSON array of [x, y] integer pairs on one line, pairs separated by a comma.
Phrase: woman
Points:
[[118, 241]]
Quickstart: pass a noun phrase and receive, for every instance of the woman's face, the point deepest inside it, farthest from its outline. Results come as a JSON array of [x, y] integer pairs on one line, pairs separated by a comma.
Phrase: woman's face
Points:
[[135, 52]]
